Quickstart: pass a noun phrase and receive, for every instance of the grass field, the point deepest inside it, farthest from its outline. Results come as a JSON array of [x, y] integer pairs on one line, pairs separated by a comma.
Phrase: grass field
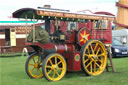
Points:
[[12, 72]]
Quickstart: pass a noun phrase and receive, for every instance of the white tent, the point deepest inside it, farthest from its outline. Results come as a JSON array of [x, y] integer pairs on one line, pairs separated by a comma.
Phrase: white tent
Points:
[[121, 35]]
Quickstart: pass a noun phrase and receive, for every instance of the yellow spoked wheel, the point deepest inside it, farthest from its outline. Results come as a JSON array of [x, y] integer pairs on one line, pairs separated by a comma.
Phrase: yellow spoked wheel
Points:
[[94, 57], [54, 67], [33, 66]]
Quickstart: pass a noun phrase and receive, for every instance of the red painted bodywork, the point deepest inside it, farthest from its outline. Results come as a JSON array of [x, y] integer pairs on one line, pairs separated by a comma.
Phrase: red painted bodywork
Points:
[[43, 46], [70, 37], [73, 65], [68, 49]]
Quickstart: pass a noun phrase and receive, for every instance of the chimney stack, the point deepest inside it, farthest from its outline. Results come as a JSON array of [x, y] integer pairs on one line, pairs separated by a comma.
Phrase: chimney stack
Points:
[[47, 6]]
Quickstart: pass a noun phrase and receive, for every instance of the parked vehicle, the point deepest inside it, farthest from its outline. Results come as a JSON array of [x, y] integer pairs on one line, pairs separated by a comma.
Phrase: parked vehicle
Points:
[[118, 48], [121, 35]]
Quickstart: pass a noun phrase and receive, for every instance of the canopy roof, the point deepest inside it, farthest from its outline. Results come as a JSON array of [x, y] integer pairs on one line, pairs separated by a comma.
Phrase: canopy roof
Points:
[[23, 12], [40, 13]]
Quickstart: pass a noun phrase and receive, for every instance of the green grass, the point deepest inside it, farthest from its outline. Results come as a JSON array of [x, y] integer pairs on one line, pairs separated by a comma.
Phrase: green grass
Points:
[[10, 54], [12, 72]]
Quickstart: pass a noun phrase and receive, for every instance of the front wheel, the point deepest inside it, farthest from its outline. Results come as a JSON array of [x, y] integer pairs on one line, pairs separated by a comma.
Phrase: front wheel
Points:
[[94, 57], [33, 66], [54, 67]]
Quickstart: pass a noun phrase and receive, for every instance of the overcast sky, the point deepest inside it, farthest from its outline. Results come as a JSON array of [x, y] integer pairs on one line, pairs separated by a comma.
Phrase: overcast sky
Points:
[[7, 7]]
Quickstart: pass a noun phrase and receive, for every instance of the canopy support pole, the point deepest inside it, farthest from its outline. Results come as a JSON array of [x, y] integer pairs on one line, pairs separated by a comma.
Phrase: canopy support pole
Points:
[[26, 28], [33, 28], [47, 24]]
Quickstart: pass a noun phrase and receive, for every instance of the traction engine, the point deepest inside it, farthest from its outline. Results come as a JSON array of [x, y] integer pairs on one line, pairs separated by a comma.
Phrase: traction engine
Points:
[[70, 50]]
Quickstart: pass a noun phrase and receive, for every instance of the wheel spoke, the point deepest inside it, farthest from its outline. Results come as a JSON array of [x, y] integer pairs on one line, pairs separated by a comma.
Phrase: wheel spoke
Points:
[[89, 64], [92, 49], [59, 62], [32, 69], [40, 71], [101, 55], [33, 60], [95, 47], [48, 66], [56, 72], [60, 68], [36, 71], [88, 51], [98, 65], [31, 64], [55, 60], [100, 61], [86, 55], [91, 67], [53, 74], [98, 51], [50, 61], [94, 66], [50, 71], [85, 61]]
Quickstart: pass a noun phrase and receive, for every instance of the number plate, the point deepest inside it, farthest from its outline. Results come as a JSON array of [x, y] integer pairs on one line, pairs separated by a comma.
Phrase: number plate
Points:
[[124, 52]]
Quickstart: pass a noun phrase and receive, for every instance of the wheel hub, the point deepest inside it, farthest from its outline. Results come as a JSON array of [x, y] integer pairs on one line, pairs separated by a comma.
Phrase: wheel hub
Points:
[[94, 57], [36, 65], [54, 67]]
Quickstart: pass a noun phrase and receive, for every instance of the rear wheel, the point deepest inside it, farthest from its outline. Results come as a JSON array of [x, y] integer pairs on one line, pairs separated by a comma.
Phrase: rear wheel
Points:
[[33, 66], [94, 57], [54, 67]]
